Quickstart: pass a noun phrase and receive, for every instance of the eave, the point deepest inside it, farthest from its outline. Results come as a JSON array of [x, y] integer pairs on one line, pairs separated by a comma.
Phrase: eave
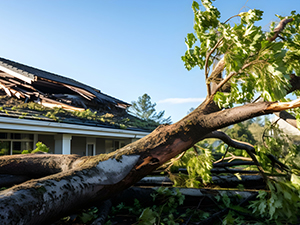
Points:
[[14, 124]]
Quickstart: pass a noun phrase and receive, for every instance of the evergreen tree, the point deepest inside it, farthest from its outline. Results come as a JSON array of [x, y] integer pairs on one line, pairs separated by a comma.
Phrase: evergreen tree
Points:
[[144, 109], [241, 132]]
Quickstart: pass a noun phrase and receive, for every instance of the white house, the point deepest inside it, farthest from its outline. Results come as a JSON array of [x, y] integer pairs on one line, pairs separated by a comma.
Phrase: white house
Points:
[[107, 125]]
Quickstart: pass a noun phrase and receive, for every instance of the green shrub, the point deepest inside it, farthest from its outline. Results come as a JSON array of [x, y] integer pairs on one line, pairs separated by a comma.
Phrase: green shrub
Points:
[[40, 147]]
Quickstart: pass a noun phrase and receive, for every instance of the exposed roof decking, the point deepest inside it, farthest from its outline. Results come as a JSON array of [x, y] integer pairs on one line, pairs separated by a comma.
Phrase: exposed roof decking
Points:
[[33, 74]]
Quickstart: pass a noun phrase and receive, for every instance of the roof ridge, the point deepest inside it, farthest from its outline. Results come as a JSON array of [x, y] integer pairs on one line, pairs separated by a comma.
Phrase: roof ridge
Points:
[[11, 66], [29, 71]]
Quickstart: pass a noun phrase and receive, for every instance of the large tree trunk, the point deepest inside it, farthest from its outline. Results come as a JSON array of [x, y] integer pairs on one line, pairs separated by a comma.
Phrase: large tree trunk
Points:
[[63, 183]]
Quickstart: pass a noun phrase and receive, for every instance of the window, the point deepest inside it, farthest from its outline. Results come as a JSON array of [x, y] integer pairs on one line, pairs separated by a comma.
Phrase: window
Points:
[[15, 143], [111, 145], [21, 136], [4, 148], [119, 144], [19, 146], [3, 135]]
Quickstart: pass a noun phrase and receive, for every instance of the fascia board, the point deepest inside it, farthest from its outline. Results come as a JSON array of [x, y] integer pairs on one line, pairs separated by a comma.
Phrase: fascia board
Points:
[[17, 75], [54, 127]]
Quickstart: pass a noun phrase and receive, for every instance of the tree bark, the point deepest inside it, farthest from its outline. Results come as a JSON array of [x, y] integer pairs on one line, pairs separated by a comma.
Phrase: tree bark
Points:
[[72, 182]]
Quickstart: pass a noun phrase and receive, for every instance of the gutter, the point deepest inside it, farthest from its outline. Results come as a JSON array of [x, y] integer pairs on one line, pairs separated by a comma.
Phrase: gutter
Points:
[[7, 123]]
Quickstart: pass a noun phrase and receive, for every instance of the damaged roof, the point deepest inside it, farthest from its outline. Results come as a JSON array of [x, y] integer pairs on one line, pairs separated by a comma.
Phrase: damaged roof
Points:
[[30, 93], [49, 87]]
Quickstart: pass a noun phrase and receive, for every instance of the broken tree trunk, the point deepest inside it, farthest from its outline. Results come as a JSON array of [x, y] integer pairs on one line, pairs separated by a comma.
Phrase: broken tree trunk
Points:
[[72, 182]]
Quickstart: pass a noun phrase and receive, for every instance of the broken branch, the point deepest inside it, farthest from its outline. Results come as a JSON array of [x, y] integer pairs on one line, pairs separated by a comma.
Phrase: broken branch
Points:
[[206, 64], [279, 28], [240, 145]]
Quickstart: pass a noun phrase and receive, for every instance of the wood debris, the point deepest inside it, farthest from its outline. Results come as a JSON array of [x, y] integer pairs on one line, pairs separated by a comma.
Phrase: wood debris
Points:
[[51, 90]]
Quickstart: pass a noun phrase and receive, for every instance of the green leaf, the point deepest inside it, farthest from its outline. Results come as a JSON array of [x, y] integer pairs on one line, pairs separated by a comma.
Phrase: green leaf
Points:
[[295, 180], [85, 217], [272, 211], [195, 6], [226, 200], [190, 40], [287, 195], [277, 46], [148, 217], [278, 203], [262, 207], [262, 194]]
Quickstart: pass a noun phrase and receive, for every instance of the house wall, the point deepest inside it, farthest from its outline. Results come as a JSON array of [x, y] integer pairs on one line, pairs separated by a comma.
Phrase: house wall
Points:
[[114, 144], [78, 145], [100, 146]]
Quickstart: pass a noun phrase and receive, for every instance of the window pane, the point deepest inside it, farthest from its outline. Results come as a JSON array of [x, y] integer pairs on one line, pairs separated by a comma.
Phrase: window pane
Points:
[[26, 145], [15, 136], [19, 146], [3, 135], [16, 147], [22, 136]]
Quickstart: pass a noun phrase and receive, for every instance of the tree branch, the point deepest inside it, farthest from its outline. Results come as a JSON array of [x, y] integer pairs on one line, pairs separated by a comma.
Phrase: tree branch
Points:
[[37, 165], [280, 106], [206, 65], [233, 157], [231, 142], [240, 145], [223, 82], [231, 18], [279, 28], [217, 70], [227, 170], [235, 163], [221, 65], [96, 178]]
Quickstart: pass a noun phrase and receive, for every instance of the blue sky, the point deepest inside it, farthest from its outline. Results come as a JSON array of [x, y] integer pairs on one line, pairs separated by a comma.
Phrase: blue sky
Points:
[[125, 48]]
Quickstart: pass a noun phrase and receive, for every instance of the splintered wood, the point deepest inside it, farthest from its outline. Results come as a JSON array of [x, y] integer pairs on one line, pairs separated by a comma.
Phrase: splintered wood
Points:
[[47, 93]]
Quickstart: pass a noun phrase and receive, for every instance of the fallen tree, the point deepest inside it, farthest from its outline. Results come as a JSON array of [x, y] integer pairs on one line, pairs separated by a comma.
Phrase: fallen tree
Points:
[[247, 61]]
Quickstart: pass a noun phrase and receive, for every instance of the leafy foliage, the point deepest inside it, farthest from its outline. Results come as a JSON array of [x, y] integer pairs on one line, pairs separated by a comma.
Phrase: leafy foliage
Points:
[[241, 132], [280, 204], [40, 147], [198, 166], [165, 212], [256, 66], [256, 63], [89, 215]]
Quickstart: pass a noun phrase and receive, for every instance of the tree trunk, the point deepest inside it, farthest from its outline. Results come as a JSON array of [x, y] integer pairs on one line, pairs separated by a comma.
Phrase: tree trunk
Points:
[[63, 183]]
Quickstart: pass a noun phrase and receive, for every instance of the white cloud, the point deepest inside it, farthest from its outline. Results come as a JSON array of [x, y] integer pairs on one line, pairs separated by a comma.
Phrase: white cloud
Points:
[[181, 100]]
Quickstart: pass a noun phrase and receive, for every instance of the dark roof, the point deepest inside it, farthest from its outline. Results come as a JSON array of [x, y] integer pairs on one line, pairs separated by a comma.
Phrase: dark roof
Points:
[[32, 73], [16, 108], [51, 97]]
